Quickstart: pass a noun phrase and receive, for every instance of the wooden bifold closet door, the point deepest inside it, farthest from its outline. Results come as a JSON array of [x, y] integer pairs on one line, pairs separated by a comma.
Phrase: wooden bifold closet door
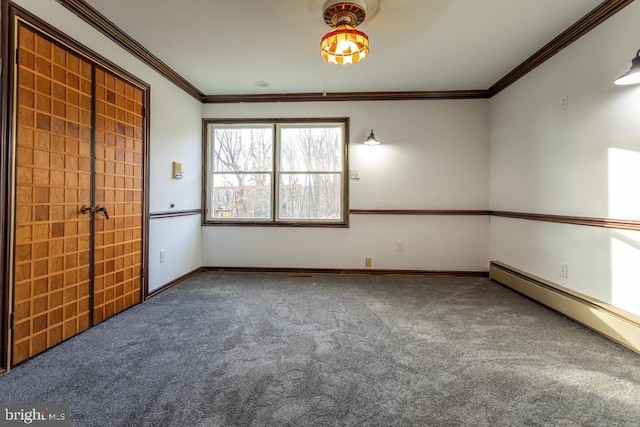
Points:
[[78, 143]]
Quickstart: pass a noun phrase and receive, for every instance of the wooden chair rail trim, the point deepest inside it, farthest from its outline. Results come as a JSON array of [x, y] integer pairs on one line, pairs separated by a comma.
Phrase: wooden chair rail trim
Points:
[[620, 224], [171, 214]]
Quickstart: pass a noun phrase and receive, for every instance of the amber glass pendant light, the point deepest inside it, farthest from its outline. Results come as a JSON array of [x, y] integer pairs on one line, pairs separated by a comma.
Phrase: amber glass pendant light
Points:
[[344, 44]]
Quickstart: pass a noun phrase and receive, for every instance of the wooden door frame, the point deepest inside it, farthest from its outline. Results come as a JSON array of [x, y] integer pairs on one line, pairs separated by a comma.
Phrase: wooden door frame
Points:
[[11, 14], [5, 137]]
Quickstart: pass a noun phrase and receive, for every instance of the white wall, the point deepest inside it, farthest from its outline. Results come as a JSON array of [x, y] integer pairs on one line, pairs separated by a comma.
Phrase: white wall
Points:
[[579, 161], [175, 136], [180, 240], [434, 156]]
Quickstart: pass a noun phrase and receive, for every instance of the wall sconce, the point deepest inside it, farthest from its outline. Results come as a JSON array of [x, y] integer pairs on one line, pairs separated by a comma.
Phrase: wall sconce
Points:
[[633, 75], [371, 140]]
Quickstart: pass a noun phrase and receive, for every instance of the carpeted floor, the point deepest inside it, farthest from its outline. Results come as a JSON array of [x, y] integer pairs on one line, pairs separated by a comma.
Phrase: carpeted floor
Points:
[[240, 349]]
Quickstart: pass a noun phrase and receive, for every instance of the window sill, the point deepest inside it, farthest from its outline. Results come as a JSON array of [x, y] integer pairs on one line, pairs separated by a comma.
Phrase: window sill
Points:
[[276, 224]]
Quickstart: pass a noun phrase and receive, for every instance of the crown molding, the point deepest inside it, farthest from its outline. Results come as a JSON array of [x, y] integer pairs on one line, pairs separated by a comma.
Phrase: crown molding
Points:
[[346, 96], [98, 21], [591, 20]]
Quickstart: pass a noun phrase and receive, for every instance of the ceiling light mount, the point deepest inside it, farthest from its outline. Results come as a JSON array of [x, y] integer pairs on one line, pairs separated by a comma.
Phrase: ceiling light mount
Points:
[[340, 12], [344, 44]]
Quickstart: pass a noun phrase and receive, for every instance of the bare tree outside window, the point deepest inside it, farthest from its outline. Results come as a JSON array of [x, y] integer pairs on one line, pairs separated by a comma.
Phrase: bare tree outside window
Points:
[[310, 173], [242, 172], [280, 172]]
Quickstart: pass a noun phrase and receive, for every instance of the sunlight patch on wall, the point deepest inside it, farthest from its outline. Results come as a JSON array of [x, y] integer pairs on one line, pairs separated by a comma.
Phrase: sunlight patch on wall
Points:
[[624, 203], [625, 271], [624, 181]]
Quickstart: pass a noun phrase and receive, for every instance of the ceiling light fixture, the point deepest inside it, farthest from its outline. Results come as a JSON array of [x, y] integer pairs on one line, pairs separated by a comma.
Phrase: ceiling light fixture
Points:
[[633, 75], [344, 44], [371, 140]]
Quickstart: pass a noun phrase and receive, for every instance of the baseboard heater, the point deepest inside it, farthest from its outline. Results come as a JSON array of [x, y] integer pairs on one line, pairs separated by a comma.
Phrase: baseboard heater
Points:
[[617, 325]]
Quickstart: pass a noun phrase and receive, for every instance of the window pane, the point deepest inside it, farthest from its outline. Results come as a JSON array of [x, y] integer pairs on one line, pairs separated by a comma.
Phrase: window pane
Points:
[[242, 149], [310, 149], [245, 196], [277, 171], [310, 196]]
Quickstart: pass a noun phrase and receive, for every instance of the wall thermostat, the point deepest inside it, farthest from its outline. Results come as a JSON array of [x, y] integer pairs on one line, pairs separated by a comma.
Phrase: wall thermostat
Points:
[[178, 173]]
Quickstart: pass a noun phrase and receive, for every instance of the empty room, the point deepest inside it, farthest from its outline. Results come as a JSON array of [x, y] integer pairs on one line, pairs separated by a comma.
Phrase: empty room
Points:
[[320, 212]]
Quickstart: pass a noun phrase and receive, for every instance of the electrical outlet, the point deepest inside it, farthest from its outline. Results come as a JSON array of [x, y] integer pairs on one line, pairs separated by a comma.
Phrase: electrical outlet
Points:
[[564, 270], [400, 246], [161, 256], [367, 262]]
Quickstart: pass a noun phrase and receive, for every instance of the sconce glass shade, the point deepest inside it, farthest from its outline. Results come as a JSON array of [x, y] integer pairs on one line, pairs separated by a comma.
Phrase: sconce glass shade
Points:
[[371, 139], [633, 75], [344, 45]]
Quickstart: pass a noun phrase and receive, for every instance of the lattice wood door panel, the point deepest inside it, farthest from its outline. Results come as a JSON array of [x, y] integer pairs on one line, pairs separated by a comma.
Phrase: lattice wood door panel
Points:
[[79, 142], [53, 177], [119, 188]]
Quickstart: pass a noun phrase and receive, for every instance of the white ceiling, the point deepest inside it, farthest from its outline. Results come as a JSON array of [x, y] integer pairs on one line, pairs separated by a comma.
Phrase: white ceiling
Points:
[[225, 46]]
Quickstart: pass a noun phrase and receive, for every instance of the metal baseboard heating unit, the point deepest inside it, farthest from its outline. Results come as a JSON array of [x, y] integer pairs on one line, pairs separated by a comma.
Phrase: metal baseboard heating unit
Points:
[[616, 324]]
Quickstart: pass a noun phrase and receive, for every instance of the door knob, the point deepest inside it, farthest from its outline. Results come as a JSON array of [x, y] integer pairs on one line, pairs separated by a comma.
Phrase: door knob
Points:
[[86, 209], [101, 209]]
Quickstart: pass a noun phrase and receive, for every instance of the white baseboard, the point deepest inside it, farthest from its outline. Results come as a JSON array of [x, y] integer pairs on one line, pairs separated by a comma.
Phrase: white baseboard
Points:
[[615, 324]]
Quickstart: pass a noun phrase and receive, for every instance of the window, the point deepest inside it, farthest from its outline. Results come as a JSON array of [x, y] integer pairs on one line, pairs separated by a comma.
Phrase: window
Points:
[[276, 172]]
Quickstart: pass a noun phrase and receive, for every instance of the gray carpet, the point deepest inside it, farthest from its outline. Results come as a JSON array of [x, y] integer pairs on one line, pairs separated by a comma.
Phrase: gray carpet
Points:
[[241, 349]]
